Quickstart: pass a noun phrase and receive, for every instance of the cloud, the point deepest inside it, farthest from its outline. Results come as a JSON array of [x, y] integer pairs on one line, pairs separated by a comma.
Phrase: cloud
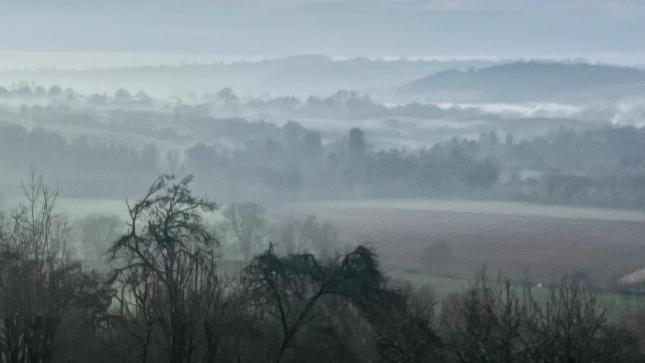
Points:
[[455, 5], [410, 28], [522, 5], [458, 4]]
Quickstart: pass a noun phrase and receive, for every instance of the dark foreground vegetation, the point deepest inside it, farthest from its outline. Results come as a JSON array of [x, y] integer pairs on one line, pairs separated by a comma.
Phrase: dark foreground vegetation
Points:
[[165, 297]]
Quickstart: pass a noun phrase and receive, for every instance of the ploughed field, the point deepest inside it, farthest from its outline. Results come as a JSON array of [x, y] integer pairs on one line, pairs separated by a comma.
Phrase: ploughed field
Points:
[[515, 240]]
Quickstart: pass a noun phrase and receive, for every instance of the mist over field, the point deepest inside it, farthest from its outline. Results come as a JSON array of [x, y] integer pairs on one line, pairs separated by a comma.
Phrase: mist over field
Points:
[[322, 181]]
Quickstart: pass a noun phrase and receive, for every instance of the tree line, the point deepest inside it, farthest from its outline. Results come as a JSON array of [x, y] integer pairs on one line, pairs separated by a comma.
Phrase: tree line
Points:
[[597, 167]]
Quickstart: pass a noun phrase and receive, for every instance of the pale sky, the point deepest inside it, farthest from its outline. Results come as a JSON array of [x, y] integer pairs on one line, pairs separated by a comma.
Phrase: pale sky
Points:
[[197, 30]]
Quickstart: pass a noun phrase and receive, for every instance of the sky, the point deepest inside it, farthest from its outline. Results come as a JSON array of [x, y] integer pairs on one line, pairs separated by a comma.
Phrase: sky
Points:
[[59, 32]]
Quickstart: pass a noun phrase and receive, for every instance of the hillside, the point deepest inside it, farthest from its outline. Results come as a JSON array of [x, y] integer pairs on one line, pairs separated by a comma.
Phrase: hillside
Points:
[[531, 81], [299, 75]]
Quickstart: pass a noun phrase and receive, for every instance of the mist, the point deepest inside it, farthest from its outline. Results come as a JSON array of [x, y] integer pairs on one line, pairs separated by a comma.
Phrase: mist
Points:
[[322, 181]]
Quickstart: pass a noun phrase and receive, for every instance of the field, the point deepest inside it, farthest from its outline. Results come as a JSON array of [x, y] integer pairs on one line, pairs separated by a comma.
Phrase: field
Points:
[[515, 240]]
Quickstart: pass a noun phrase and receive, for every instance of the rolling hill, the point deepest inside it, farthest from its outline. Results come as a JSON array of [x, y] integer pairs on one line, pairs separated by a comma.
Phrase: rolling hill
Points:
[[531, 81]]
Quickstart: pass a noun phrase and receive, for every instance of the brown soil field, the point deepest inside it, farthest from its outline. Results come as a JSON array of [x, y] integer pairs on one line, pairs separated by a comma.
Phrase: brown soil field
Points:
[[540, 248]]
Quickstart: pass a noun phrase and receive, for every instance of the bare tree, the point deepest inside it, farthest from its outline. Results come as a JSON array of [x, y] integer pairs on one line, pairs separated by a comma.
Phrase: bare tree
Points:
[[486, 324], [247, 221], [571, 326], [39, 283], [504, 323], [403, 329], [166, 272]]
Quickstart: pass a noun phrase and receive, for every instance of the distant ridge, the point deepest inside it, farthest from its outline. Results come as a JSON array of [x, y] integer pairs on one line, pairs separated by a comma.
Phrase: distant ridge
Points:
[[301, 75], [532, 81]]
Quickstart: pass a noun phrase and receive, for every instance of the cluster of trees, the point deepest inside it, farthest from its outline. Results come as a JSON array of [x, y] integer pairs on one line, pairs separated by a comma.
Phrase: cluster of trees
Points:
[[246, 230], [342, 104], [31, 93], [300, 75], [300, 165], [596, 167], [263, 161], [25, 91], [85, 167], [507, 324], [613, 191], [121, 98], [601, 166], [167, 297]]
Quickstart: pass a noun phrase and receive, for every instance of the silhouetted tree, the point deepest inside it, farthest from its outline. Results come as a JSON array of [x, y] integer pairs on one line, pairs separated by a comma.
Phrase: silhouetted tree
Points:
[[122, 95], [165, 269], [40, 286], [54, 91], [293, 287], [502, 324]]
